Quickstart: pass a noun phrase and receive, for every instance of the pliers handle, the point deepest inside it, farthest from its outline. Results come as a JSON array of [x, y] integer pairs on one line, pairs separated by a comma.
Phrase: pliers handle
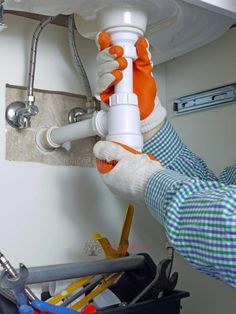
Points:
[[40, 307]]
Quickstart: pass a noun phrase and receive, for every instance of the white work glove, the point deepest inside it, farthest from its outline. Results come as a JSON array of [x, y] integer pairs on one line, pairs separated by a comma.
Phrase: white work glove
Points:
[[129, 177], [110, 63]]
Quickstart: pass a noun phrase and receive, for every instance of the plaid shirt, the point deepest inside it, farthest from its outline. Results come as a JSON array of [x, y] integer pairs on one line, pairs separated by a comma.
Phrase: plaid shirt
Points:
[[197, 210], [228, 176]]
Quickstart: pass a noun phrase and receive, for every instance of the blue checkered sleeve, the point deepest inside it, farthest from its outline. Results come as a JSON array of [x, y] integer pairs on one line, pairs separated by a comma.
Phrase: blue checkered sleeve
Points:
[[200, 220], [228, 176], [173, 154]]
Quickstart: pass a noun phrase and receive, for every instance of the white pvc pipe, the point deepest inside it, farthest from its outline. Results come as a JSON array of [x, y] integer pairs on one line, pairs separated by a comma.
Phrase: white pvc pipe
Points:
[[51, 138], [72, 132], [126, 37], [126, 84], [123, 114]]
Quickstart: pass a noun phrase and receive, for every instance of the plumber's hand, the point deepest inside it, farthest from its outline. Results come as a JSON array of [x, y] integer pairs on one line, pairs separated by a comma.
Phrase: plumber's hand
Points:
[[111, 62], [130, 175]]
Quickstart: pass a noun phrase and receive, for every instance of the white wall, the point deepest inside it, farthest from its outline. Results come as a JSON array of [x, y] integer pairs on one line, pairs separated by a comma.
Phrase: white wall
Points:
[[211, 134], [47, 212]]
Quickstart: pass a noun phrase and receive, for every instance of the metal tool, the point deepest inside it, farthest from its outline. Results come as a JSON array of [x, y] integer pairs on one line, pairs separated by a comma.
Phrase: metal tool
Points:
[[107, 282], [93, 283], [162, 282], [17, 284], [12, 273], [69, 290], [110, 253]]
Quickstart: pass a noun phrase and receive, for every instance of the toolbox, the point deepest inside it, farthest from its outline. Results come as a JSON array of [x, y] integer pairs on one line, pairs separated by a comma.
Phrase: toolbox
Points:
[[170, 304]]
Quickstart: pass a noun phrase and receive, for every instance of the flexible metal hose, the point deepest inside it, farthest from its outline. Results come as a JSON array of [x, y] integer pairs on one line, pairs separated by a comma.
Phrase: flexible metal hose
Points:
[[76, 57], [33, 52]]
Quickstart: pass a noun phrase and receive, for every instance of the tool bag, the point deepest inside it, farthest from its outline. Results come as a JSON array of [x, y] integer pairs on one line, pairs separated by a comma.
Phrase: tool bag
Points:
[[165, 305], [7, 307]]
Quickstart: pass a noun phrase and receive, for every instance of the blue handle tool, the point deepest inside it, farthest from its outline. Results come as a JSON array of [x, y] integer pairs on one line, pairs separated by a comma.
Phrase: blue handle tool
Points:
[[43, 306]]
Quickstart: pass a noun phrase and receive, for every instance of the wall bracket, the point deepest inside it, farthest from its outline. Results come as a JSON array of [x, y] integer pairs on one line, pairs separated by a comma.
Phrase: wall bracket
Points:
[[206, 99]]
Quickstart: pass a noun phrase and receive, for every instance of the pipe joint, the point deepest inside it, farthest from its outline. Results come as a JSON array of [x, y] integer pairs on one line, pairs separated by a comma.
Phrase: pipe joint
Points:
[[44, 141], [49, 139], [99, 123]]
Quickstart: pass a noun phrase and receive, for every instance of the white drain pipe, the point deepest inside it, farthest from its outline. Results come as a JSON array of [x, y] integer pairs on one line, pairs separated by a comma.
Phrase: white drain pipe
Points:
[[48, 139], [125, 25]]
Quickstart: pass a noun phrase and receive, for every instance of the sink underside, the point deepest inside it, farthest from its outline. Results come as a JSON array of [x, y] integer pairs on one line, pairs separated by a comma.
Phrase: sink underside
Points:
[[174, 27]]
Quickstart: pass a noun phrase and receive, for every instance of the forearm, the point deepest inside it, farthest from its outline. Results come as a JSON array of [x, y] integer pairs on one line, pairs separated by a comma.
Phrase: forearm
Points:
[[200, 221], [173, 154], [148, 135], [228, 176]]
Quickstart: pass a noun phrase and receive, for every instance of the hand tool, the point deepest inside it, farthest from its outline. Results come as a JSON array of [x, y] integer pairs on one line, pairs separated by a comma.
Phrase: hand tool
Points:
[[88, 288], [46, 308], [108, 281], [12, 273], [69, 290], [17, 284], [111, 253]]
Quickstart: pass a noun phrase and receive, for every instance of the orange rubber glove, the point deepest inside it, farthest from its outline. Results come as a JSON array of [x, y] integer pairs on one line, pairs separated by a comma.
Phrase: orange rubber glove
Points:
[[111, 62], [129, 172]]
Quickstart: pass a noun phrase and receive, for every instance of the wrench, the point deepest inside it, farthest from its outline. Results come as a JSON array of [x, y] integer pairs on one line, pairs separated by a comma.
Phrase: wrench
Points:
[[16, 284]]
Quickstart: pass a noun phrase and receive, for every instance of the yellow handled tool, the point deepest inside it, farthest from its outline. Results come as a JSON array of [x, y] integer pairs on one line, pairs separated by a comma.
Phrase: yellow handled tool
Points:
[[122, 249], [110, 253], [106, 283], [69, 290]]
